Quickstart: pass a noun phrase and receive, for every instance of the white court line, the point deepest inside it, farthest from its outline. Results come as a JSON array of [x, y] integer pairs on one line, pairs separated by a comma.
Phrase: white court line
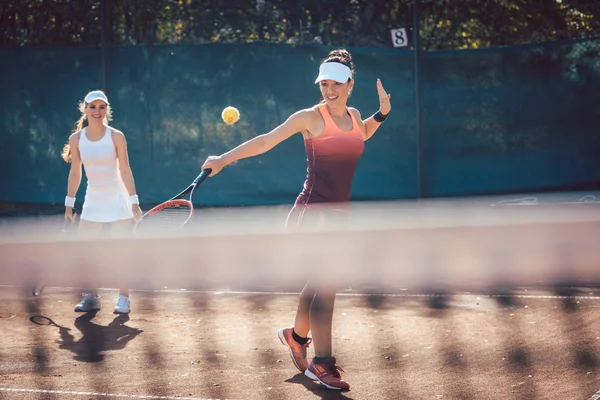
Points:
[[127, 396], [344, 294], [595, 396]]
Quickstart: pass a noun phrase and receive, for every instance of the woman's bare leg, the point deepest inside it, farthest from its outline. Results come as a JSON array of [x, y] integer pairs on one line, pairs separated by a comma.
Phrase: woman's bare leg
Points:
[[90, 230], [321, 321], [302, 322], [122, 228]]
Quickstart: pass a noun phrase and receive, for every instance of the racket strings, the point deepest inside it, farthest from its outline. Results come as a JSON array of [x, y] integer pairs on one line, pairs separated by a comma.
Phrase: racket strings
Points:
[[169, 218]]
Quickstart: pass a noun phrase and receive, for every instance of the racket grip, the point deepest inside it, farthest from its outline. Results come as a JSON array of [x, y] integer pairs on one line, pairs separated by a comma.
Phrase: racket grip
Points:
[[68, 222], [203, 175]]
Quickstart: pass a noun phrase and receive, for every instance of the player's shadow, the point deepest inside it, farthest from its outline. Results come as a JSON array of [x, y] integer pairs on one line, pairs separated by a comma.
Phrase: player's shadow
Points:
[[97, 339], [317, 389]]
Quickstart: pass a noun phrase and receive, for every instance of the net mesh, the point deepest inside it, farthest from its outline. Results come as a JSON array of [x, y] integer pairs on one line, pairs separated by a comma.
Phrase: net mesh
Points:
[[460, 243]]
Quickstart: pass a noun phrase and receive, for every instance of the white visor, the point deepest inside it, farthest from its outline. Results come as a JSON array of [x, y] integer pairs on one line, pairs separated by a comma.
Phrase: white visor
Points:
[[95, 95], [335, 71]]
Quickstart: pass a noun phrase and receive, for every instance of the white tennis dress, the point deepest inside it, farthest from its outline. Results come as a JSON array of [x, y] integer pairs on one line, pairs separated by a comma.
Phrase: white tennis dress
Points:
[[106, 197]]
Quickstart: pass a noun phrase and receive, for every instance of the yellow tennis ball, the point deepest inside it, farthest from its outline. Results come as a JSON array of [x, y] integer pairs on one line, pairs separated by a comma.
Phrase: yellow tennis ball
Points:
[[230, 115]]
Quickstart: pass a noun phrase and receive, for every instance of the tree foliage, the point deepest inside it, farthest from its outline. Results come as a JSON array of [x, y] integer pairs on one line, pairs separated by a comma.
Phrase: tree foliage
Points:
[[444, 24]]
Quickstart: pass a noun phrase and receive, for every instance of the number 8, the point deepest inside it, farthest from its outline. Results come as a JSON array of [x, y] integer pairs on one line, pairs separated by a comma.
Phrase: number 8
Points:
[[399, 38]]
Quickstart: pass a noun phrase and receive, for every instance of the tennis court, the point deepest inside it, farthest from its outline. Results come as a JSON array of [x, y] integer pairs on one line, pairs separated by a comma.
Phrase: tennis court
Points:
[[469, 268], [448, 300]]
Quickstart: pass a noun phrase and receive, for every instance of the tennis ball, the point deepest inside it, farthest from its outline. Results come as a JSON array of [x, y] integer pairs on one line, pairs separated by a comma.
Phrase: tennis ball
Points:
[[230, 115]]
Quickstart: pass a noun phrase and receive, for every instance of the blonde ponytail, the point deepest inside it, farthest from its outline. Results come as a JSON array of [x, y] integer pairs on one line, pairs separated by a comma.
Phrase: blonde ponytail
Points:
[[66, 152]]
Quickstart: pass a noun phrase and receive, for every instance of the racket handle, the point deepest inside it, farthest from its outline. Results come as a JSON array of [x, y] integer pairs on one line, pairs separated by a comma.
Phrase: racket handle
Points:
[[65, 227], [203, 175]]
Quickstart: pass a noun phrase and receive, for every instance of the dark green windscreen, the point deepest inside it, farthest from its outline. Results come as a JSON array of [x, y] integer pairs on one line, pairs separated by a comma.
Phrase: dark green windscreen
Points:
[[497, 120]]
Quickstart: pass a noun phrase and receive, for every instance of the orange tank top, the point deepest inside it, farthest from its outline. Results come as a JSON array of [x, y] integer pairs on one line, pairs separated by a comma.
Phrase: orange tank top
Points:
[[332, 159]]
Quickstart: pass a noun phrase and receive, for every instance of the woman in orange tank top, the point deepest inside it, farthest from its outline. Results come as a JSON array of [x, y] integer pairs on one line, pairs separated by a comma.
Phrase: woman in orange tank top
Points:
[[334, 137]]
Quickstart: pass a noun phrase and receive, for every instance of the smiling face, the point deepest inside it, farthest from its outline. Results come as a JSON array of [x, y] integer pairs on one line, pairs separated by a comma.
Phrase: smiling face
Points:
[[336, 93], [96, 110]]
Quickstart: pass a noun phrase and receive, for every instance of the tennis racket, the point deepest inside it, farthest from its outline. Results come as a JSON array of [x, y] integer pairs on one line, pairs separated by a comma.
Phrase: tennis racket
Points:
[[174, 213]]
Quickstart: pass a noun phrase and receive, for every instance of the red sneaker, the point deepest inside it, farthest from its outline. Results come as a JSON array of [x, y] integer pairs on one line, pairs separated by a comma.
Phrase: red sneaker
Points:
[[327, 374], [297, 350]]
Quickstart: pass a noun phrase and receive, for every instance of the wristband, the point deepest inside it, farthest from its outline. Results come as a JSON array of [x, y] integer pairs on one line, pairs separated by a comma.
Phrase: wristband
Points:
[[379, 117], [69, 201], [134, 199]]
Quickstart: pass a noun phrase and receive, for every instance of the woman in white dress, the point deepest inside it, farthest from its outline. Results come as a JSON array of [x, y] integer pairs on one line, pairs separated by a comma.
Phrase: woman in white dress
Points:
[[110, 196]]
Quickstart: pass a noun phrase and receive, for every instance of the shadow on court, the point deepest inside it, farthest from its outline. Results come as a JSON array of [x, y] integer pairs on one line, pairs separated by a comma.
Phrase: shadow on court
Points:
[[583, 352], [318, 390], [223, 345], [95, 339]]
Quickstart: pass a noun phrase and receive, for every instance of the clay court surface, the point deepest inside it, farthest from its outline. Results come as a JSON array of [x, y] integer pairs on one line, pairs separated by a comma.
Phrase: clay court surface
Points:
[[529, 344]]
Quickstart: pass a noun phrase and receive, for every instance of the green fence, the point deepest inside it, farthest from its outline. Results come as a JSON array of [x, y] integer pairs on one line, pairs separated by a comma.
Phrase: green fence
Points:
[[511, 119], [497, 120]]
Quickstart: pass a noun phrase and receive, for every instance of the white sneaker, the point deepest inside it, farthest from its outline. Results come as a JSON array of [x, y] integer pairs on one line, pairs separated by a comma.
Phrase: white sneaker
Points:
[[123, 305], [90, 302]]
